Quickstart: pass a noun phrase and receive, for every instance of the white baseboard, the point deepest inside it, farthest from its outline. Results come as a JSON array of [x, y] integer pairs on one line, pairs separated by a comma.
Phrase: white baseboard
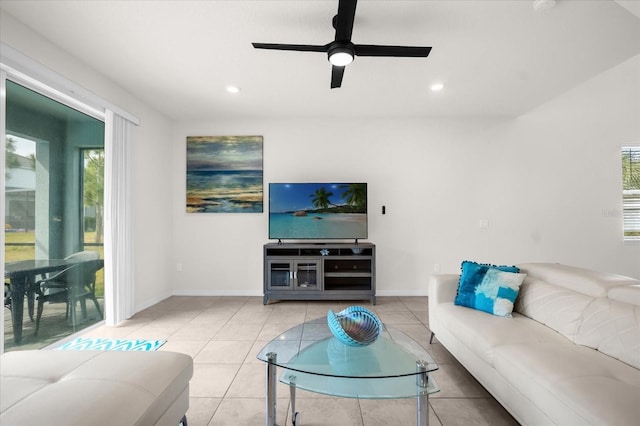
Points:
[[149, 303], [216, 293], [401, 293], [384, 293], [232, 293]]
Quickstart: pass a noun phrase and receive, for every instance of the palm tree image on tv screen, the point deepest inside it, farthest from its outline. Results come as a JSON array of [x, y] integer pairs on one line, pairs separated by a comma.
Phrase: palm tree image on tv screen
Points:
[[317, 210]]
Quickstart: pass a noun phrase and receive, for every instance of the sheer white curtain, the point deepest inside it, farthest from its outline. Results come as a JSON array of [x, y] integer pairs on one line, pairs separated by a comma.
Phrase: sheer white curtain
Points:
[[118, 224]]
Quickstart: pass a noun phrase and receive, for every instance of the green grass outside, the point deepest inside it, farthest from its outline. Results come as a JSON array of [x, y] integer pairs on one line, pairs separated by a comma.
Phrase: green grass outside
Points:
[[16, 253]]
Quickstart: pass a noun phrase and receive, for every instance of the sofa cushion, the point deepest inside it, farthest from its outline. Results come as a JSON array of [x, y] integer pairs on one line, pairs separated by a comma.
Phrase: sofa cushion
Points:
[[482, 333], [556, 307], [613, 328], [585, 281], [488, 288], [575, 384], [626, 294]]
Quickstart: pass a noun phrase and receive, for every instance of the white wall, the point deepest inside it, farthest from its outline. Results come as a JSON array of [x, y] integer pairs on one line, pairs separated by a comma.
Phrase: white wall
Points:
[[419, 169], [573, 171], [546, 182]]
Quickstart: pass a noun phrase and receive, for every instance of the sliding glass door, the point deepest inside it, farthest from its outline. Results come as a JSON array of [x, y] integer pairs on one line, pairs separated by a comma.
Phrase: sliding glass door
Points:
[[54, 186]]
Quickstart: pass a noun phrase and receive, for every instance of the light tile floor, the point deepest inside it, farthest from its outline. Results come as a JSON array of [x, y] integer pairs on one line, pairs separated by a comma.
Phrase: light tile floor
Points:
[[224, 335]]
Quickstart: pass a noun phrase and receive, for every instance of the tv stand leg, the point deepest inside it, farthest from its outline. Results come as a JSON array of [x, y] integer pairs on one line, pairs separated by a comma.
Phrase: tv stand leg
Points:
[[265, 300]]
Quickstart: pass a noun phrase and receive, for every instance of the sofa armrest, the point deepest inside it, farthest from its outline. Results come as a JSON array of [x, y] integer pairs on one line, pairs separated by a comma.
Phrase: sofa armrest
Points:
[[442, 289]]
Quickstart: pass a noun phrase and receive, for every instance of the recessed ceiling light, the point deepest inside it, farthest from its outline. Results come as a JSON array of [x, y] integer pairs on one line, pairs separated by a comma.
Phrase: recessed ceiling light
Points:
[[540, 5], [232, 89], [436, 87]]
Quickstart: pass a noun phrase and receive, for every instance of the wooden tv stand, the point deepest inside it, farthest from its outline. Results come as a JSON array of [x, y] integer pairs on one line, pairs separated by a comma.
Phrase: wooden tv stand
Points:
[[319, 271]]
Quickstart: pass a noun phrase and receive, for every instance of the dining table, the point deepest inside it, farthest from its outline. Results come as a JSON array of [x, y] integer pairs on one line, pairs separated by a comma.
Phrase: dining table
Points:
[[22, 279]]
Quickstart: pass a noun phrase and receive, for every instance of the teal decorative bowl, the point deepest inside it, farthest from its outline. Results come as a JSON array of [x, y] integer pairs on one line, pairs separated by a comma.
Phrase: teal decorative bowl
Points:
[[354, 326]]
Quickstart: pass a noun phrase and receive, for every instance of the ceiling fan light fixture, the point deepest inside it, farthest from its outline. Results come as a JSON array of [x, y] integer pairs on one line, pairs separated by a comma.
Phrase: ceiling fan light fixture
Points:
[[340, 56]]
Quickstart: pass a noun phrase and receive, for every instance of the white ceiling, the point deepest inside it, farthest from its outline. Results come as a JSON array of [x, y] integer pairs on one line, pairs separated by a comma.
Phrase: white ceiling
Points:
[[496, 58]]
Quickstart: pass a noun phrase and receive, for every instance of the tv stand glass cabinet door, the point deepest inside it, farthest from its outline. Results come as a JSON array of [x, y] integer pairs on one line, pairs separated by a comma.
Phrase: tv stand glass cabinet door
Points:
[[299, 274]]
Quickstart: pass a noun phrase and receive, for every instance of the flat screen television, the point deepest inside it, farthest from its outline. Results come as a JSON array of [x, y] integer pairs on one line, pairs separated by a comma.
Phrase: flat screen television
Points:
[[317, 211]]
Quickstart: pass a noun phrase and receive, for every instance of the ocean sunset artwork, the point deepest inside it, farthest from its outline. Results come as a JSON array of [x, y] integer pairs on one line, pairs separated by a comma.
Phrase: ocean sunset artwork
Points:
[[224, 174]]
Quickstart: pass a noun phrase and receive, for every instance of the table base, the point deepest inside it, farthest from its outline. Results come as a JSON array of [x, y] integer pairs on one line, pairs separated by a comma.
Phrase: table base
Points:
[[422, 380]]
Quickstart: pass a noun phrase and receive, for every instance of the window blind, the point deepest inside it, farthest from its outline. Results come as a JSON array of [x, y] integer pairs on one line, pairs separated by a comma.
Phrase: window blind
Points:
[[631, 192]]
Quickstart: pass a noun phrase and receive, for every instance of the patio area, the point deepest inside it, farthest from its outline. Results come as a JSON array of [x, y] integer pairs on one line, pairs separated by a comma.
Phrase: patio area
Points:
[[54, 325]]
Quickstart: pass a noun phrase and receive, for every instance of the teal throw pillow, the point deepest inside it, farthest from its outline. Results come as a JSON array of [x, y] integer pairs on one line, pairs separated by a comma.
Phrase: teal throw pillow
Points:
[[489, 288]]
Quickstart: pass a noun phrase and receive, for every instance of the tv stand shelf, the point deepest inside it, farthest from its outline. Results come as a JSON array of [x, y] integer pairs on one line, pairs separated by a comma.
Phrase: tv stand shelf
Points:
[[312, 271]]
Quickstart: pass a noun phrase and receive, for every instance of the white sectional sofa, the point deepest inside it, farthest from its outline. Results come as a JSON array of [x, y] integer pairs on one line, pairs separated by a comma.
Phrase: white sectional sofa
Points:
[[570, 355], [99, 388]]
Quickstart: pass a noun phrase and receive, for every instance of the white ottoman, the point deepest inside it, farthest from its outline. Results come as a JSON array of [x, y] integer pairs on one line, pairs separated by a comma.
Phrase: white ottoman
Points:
[[52, 387]]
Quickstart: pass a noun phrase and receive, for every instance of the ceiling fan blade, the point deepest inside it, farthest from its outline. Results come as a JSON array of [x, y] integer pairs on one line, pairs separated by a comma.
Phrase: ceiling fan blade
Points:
[[296, 47], [344, 19], [336, 76], [397, 51]]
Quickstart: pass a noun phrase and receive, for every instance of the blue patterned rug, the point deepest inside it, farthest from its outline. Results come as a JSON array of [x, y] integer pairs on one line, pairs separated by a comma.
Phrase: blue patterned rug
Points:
[[98, 344]]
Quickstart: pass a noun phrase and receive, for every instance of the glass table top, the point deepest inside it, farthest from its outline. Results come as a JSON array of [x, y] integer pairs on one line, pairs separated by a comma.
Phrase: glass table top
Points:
[[315, 360]]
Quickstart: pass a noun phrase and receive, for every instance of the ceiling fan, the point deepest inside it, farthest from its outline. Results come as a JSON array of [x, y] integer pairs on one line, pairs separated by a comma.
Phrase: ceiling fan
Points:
[[341, 51]]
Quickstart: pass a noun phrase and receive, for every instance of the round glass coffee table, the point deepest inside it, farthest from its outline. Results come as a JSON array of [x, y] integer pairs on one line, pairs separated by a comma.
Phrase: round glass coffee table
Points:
[[394, 366]]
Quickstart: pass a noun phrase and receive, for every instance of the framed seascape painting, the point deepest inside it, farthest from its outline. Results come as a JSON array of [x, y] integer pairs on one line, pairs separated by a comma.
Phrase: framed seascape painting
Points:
[[224, 174]]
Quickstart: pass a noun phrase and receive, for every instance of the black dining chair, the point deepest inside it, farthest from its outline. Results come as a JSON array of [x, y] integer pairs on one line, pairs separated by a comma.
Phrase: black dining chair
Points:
[[7, 295], [73, 285]]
